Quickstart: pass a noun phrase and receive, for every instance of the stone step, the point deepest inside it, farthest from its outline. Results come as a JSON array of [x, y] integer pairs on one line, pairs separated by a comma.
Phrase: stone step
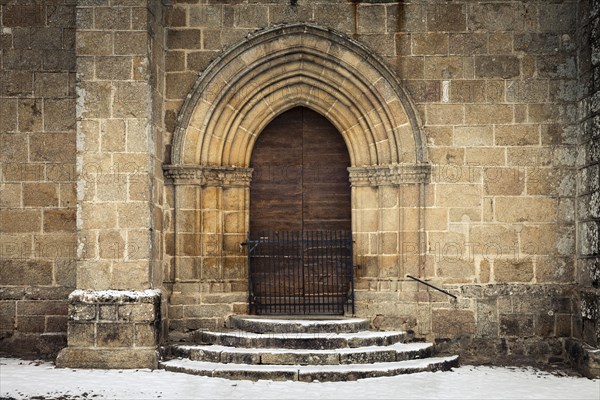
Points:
[[349, 355], [259, 324], [299, 340], [309, 373]]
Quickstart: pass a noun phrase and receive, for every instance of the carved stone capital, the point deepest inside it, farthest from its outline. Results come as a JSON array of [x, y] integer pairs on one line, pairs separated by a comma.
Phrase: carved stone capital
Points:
[[201, 175], [389, 175]]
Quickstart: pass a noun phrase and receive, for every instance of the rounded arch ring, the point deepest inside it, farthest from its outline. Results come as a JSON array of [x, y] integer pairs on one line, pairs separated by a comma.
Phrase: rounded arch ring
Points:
[[291, 65]]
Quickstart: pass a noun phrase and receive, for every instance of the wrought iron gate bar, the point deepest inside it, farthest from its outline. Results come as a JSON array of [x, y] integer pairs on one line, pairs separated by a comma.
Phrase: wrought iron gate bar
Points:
[[293, 272]]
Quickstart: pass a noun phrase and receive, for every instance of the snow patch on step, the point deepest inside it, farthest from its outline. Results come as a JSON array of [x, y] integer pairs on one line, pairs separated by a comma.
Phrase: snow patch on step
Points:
[[416, 364], [303, 335], [187, 364], [399, 347], [305, 322], [419, 364]]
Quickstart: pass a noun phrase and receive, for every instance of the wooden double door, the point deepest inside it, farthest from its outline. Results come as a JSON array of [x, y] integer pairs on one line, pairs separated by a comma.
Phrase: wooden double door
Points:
[[300, 244], [300, 179]]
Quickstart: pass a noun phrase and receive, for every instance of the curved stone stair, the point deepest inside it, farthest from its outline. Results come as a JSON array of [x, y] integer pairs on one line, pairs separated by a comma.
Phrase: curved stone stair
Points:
[[303, 349], [301, 340], [298, 325], [280, 356]]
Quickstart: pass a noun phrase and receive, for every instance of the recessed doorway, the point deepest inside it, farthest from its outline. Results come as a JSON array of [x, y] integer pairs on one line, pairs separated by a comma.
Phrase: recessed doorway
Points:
[[300, 241]]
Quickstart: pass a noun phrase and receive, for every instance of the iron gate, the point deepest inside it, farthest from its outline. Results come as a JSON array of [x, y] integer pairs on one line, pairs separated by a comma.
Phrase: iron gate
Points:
[[300, 272]]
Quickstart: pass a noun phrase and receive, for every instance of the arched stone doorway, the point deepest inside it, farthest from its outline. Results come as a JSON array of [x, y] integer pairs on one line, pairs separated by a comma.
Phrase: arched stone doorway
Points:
[[239, 94]]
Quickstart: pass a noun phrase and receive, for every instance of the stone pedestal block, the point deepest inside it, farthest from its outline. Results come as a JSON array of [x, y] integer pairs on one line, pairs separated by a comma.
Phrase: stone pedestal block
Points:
[[112, 329]]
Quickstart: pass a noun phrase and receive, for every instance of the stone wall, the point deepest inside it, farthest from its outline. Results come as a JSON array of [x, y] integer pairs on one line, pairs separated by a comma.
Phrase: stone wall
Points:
[[116, 166], [37, 174], [114, 159], [490, 207], [158, 147], [495, 84], [495, 89], [588, 210], [587, 318]]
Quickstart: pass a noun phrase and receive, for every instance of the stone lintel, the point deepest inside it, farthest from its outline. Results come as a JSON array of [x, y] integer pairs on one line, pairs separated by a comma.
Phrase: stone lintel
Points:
[[389, 175], [202, 175]]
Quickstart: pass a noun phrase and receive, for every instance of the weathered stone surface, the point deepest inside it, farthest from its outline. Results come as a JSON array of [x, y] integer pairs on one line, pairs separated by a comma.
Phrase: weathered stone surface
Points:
[[131, 43], [504, 181], [497, 67], [130, 100], [370, 17], [558, 67], [521, 209], [7, 315], [37, 99], [468, 43], [112, 18], [584, 356], [537, 43], [198, 61], [510, 271], [184, 39], [30, 111], [496, 16], [516, 325], [308, 374], [178, 84], [113, 68], [48, 307], [446, 17], [114, 335], [25, 272], [40, 194], [73, 357], [556, 18], [339, 17], [444, 67], [95, 43], [430, 43]]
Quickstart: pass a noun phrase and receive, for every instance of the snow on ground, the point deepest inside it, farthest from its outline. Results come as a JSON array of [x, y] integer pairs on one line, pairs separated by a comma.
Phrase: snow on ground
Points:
[[26, 379]]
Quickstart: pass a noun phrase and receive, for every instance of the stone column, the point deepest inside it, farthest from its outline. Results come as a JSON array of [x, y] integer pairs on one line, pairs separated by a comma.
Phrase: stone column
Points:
[[211, 220], [388, 205], [114, 315]]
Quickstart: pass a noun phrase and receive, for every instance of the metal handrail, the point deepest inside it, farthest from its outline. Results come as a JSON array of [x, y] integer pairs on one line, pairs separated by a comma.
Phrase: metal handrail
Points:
[[431, 286]]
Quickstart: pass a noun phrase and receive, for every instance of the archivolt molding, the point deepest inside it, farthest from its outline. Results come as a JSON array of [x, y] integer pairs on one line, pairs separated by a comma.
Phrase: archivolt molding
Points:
[[297, 65]]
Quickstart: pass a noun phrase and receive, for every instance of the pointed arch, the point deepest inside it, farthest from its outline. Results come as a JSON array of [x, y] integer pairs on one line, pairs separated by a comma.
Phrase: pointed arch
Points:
[[297, 65]]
